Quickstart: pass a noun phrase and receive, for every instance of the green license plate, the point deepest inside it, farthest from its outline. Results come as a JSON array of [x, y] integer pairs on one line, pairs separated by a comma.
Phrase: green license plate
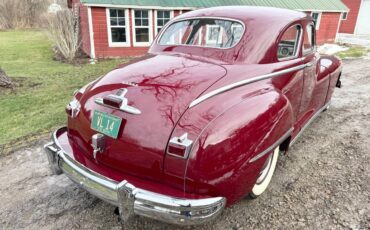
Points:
[[106, 124]]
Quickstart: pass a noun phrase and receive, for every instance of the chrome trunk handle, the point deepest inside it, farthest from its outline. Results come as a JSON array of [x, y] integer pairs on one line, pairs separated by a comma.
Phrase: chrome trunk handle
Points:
[[119, 102]]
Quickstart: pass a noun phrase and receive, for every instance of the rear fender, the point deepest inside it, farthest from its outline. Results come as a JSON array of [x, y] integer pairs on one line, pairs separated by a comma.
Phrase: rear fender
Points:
[[226, 156]]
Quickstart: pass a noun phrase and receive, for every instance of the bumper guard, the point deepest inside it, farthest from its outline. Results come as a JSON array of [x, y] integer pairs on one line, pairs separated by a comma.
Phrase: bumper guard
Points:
[[128, 198]]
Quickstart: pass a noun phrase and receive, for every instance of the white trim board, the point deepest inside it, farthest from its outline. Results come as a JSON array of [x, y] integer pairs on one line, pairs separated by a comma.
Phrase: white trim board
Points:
[[91, 33], [140, 7]]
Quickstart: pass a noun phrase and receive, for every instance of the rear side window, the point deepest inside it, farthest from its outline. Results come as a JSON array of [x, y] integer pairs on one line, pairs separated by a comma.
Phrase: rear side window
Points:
[[288, 45], [309, 42]]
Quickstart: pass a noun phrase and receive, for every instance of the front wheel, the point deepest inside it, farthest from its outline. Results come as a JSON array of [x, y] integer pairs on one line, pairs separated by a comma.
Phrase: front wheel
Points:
[[265, 176]]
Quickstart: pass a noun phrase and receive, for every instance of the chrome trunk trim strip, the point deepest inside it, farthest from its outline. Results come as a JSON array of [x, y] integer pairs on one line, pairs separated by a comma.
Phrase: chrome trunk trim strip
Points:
[[245, 82]]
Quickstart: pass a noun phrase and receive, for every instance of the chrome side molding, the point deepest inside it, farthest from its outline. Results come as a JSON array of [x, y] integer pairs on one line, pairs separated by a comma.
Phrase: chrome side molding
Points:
[[246, 82], [312, 119], [272, 147]]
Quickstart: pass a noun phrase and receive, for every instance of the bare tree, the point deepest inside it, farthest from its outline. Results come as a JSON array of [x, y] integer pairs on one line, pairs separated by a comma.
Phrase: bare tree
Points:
[[21, 13], [64, 31]]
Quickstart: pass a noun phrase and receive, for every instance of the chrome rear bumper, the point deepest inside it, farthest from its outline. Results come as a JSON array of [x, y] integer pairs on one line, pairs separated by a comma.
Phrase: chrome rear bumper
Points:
[[132, 200]]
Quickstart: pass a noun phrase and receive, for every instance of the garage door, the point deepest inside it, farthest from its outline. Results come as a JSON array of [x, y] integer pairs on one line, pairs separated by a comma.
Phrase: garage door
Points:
[[363, 22]]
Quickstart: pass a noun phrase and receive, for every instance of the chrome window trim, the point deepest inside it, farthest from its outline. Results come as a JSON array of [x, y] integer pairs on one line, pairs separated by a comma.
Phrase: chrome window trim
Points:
[[297, 48], [245, 82], [200, 17]]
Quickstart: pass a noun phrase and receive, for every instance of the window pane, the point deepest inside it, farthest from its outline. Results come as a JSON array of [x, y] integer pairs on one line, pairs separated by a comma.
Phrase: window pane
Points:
[[137, 14], [145, 22], [142, 34], [167, 14], [289, 42], [121, 21], [308, 39], [159, 14], [159, 29], [315, 17], [159, 22], [144, 13], [113, 13], [121, 13], [137, 22], [118, 34], [113, 21]]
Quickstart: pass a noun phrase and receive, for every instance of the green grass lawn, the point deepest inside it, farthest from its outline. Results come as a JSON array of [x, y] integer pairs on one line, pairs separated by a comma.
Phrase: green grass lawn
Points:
[[45, 86], [353, 52]]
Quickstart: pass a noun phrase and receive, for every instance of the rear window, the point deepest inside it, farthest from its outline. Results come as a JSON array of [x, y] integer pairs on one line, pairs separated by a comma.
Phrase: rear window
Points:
[[205, 32]]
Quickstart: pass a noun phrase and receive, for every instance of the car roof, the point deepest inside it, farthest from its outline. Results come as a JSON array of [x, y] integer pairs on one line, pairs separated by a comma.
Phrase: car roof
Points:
[[247, 13], [263, 27]]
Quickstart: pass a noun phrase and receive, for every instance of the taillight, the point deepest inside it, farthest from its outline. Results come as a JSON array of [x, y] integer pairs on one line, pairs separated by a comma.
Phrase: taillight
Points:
[[180, 146]]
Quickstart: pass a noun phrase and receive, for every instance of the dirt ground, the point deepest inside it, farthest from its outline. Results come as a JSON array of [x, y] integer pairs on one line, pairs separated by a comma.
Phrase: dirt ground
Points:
[[324, 182]]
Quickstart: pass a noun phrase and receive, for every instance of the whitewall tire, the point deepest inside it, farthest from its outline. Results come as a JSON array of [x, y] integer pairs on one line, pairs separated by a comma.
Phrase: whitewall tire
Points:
[[266, 174]]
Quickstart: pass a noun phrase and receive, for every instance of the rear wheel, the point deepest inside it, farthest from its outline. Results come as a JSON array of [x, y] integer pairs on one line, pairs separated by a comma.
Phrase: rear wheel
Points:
[[265, 176]]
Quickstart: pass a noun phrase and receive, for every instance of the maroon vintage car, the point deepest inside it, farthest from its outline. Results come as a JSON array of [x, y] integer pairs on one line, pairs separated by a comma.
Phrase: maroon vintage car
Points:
[[199, 122]]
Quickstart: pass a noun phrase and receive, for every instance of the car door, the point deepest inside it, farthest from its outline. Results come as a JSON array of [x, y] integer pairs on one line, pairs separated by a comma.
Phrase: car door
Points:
[[315, 86]]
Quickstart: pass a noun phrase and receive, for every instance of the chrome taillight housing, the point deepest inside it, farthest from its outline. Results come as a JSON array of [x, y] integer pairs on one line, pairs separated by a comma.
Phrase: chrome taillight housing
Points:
[[180, 146], [73, 108]]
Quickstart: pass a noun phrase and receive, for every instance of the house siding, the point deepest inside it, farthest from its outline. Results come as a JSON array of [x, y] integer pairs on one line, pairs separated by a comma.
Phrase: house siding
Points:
[[328, 28], [85, 33], [102, 49], [348, 26]]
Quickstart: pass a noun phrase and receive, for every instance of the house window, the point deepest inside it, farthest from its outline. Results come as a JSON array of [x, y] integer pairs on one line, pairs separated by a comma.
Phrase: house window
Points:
[[309, 42], [288, 45], [118, 27], [316, 18], [142, 32], [344, 16], [214, 35], [162, 18]]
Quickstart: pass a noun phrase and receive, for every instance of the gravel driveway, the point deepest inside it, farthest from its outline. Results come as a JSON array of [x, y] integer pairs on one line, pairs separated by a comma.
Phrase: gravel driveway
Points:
[[324, 182]]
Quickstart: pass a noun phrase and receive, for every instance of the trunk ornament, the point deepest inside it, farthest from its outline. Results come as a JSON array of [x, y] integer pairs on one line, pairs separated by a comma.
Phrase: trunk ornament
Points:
[[118, 101], [98, 144]]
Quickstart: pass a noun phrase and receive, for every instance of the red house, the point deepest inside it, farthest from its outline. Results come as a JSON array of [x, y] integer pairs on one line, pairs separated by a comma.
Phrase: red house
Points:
[[357, 20], [115, 28]]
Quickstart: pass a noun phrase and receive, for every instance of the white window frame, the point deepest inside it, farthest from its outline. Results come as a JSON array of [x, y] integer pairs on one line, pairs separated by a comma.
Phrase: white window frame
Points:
[[150, 27], [317, 25], [345, 18], [127, 26], [210, 41], [172, 13]]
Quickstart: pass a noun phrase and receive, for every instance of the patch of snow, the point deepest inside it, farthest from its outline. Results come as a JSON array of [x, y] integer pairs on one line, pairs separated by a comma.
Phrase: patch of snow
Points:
[[361, 40], [331, 49]]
